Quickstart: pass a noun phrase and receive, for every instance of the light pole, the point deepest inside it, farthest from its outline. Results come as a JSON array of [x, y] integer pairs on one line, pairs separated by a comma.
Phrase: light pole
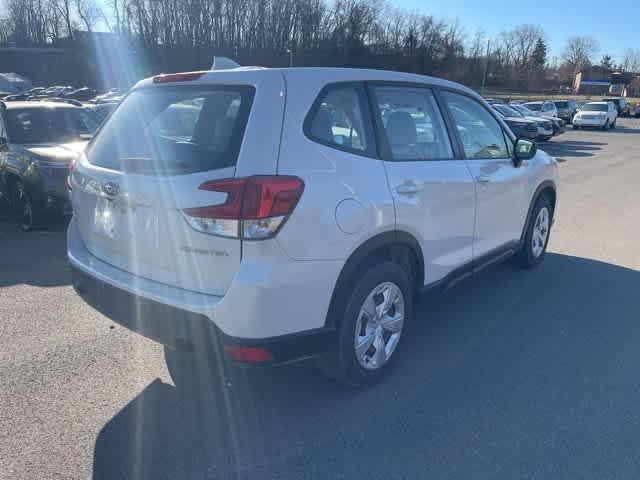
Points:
[[290, 52], [486, 68]]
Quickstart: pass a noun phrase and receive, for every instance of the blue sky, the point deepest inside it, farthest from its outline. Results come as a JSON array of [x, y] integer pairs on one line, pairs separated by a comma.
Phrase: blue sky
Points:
[[615, 24]]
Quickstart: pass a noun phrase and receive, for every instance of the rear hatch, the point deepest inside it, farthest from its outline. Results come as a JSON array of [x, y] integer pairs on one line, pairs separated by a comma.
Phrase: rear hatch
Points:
[[145, 167]]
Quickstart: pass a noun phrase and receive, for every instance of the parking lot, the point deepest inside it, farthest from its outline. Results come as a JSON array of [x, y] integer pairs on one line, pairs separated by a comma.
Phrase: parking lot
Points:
[[512, 374]]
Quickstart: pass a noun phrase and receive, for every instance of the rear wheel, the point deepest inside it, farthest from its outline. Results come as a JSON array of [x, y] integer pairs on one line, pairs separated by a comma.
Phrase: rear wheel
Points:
[[371, 325]]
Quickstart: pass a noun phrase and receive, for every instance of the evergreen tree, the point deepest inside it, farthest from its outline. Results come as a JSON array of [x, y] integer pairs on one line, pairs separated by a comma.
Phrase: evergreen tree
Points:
[[607, 61]]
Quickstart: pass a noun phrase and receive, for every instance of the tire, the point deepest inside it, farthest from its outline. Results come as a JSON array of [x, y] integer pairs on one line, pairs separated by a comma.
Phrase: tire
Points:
[[383, 283], [23, 208], [576, 127], [534, 247]]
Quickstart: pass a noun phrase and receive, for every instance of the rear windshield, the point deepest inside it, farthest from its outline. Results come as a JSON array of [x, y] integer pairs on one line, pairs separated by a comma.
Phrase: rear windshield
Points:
[[534, 106], [33, 125], [595, 107], [174, 130]]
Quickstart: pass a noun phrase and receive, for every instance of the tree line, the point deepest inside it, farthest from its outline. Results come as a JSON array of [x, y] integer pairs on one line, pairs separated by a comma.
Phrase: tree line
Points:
[[362, 33]]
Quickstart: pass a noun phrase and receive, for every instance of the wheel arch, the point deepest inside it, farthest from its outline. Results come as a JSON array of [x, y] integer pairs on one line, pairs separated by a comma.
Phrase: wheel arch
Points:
[[548, 187], [398, 246]]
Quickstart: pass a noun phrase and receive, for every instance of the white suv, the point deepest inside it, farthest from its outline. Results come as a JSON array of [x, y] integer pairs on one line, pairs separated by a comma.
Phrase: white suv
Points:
[[602, 115], [279, 214]]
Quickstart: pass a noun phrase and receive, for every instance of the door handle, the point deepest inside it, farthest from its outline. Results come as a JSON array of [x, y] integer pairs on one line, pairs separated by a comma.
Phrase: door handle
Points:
[[408, 188], [483, 179]]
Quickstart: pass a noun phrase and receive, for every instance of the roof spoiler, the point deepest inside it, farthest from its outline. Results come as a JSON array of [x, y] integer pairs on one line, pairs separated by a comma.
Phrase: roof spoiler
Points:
[[223, 63]]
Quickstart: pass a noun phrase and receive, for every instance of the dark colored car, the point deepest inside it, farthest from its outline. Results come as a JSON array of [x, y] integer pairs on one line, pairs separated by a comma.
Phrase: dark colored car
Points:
[[545, 127], [38, 141], [557, 123], [624, 110], [521, 127], [83, 94], [566, 109]]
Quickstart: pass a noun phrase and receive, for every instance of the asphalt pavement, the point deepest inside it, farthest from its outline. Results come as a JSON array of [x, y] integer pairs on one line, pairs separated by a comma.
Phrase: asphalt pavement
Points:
[[511, 375]]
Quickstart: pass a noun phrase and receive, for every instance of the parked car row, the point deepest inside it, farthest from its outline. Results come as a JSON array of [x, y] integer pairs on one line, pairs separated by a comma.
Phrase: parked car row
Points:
[[582, 114], [83, 94], [533, 124]]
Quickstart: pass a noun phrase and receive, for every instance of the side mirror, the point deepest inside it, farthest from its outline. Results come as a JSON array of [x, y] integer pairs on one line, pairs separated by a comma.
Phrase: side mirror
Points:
[[524, 150]]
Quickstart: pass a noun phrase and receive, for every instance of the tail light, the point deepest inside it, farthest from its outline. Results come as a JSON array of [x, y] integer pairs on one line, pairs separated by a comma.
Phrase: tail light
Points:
[[255, 207], [72, 166]]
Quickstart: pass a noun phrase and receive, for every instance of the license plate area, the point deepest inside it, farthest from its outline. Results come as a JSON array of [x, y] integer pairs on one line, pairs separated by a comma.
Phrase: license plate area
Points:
[[119, 222], [104, 218]]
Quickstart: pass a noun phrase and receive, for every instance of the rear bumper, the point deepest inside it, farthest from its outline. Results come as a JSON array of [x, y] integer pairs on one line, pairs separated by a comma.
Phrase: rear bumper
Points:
[[257, 310], [186, 330]]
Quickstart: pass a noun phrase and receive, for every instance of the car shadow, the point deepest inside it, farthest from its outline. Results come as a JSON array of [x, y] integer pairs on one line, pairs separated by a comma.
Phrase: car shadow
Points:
[[36, 258], [626, 130], [572, 148], [514, 374]]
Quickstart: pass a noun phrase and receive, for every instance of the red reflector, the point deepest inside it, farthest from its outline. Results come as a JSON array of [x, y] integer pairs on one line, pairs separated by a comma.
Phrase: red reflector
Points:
[[72, 165], [252, 198], [249, 354], [177, 77]]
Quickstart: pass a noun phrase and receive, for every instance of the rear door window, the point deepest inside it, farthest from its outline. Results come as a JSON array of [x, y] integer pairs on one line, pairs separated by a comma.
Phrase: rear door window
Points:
[[174, 130], [340, 119]]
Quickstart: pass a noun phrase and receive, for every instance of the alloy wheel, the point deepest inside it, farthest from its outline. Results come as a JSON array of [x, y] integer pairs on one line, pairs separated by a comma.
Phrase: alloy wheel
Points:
[[540, 232], [379, 325]]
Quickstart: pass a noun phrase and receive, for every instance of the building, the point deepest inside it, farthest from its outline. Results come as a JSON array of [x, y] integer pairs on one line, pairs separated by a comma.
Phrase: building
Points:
[[598, 80], [593, 80]]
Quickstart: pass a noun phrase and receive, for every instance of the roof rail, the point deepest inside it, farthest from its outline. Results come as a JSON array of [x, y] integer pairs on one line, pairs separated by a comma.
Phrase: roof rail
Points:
[[70, 101]]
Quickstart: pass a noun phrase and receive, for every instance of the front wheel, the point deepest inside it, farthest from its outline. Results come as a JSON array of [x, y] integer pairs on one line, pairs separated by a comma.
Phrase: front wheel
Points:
[[371, 325], [22, 207], [537, 235]]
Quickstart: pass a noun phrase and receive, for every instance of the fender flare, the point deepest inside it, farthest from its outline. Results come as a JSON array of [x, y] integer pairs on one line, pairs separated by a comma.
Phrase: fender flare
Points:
[[547, 184], [359, 257]]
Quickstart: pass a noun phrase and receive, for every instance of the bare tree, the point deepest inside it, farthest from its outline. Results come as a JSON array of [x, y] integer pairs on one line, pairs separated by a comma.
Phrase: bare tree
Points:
[[579, 52], [89, 13], [631, 60]]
